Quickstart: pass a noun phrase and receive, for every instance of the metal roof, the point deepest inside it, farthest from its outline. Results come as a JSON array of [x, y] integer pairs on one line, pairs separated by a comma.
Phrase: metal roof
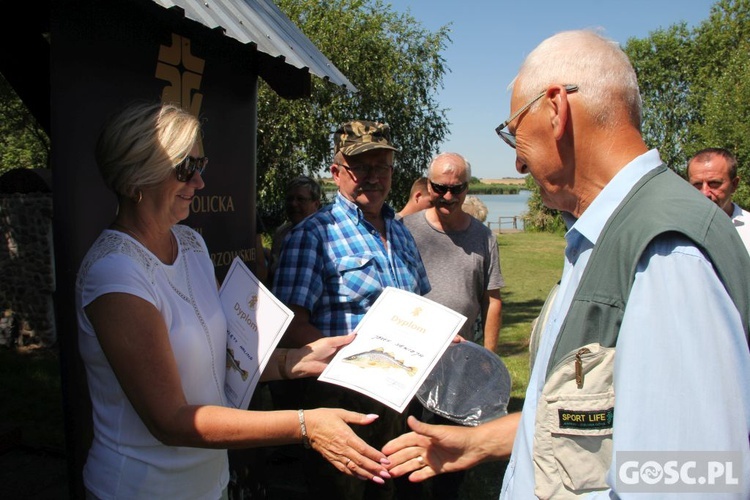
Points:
[[261, 23]]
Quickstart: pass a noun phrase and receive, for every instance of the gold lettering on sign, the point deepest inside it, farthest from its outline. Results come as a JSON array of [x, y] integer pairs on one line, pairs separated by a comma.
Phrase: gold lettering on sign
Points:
[[212, 204], [225, 258], [183, 71]]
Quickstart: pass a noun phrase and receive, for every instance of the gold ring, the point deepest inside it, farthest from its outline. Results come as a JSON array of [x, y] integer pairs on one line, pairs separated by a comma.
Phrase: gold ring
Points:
[[348, 461]]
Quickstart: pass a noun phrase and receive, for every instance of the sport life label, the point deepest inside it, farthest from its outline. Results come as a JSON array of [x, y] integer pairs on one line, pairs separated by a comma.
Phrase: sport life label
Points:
[[590, 419]]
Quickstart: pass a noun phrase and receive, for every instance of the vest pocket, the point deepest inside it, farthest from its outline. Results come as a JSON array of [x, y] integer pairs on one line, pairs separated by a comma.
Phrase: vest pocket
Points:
[[574, 421], [581, 435]]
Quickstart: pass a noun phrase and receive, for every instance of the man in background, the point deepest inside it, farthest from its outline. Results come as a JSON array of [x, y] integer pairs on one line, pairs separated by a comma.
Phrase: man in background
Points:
[[459, 252], [463, 265], [302, 199], [713, 171], [419, 198]]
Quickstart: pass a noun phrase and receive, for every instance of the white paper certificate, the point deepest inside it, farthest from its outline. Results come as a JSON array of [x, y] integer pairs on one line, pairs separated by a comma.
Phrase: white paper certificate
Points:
[[398, 342], [256, 320]]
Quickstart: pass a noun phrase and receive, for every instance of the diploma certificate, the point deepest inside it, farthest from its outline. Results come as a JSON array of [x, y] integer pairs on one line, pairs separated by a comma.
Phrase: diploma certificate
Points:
[[399, 341], [256, 320]]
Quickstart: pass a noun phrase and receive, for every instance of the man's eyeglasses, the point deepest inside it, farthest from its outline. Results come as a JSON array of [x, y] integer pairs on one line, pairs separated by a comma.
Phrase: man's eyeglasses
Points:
[[510, 139], [189, 166], [456, 189], [363, 171]]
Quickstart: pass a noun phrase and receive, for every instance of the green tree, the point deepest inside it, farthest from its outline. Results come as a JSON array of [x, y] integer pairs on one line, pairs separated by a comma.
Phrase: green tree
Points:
[[723, 43], [664, 65], [695, 86], [397, 68], [539, 218], [726, 110], [23, 143]]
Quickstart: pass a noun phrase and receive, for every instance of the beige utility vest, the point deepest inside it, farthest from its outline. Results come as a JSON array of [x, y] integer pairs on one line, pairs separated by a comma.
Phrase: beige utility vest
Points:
[[576, 411]]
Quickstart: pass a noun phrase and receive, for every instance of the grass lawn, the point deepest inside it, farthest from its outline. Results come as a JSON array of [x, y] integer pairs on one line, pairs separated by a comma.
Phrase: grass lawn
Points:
[[531, 263]]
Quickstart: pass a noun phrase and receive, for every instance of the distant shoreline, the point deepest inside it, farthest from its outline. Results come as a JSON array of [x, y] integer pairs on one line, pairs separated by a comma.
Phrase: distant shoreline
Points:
[[514, 181]]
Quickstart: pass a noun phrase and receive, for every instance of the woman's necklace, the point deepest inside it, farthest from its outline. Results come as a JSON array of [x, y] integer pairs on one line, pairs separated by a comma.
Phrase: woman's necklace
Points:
[[137, 236]]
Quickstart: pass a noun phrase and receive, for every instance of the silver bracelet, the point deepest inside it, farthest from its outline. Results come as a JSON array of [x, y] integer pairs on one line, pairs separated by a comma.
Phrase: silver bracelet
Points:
[[303, 428]]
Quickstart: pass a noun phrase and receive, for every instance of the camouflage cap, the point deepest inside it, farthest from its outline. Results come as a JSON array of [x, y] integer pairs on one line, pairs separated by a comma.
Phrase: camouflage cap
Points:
[[358, 136]]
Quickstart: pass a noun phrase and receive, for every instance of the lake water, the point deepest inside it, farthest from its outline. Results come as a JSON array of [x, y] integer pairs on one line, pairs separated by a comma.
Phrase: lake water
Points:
[[505, 205]]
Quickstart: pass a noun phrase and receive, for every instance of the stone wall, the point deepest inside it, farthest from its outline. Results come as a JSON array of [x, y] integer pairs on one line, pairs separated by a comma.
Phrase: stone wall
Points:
[[27, 277]]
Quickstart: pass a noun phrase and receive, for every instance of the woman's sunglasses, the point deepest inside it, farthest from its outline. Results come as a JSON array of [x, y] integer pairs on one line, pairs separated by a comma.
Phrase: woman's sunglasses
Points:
[[189, 166]]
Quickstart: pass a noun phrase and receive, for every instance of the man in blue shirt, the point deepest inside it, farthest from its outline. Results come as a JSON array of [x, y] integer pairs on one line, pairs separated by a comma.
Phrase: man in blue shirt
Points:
[[333, 267], [673, 404]]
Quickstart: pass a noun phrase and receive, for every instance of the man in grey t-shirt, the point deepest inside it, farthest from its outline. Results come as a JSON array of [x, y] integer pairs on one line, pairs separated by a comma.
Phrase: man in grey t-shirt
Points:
[[462, 262], [459, 252]]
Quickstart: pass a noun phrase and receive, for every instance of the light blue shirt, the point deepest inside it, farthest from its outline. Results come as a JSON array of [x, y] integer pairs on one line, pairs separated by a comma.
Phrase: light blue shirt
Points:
[[682, 368]]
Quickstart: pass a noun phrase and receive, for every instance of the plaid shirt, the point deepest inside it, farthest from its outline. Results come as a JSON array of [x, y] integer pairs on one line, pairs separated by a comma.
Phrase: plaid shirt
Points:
[[335, 265]]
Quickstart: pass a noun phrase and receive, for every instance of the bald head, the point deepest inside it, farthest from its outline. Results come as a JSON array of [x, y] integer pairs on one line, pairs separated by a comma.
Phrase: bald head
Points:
[[448, 163], [606, 80]]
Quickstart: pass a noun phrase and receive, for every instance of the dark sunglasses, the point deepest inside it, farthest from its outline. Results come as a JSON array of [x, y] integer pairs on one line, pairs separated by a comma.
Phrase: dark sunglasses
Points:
[[441, 189], [189, 166]]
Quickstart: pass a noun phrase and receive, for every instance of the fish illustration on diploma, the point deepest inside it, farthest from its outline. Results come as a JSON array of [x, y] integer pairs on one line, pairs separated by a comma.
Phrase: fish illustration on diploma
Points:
[[235, 365], [378, 358]]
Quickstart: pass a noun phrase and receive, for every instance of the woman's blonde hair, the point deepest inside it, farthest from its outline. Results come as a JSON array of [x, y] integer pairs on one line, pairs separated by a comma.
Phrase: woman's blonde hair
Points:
[[475, 207], [141, 144]]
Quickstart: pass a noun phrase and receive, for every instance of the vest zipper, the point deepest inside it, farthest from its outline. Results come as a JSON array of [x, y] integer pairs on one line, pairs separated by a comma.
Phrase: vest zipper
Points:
[[579, 366]]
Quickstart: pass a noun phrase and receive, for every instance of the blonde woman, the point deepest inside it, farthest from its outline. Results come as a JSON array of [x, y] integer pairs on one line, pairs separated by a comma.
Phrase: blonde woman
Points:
[[152, 334]]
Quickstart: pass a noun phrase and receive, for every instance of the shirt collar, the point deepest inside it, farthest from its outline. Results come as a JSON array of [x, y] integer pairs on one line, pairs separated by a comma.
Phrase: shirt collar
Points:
[[592, 221], [352, 210], [736, 210]]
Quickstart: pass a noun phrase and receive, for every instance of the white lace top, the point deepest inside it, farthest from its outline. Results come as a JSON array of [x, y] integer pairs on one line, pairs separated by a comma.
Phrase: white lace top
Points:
[[125, 460]]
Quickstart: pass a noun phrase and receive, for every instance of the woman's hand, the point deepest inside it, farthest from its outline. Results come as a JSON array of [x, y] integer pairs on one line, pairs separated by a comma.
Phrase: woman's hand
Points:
[[311, 359], [330, 436]]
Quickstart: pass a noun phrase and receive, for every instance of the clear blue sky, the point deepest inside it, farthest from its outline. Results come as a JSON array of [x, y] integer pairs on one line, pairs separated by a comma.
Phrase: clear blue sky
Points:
[[490, 39]]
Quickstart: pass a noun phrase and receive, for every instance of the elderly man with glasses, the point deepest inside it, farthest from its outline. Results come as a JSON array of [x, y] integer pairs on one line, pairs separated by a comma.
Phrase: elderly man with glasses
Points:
[[333, 267], [643, 359]]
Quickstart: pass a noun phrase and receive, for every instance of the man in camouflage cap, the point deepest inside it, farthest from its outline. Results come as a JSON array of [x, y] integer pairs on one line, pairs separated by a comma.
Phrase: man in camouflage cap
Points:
[[360, 136], [333, 266]]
